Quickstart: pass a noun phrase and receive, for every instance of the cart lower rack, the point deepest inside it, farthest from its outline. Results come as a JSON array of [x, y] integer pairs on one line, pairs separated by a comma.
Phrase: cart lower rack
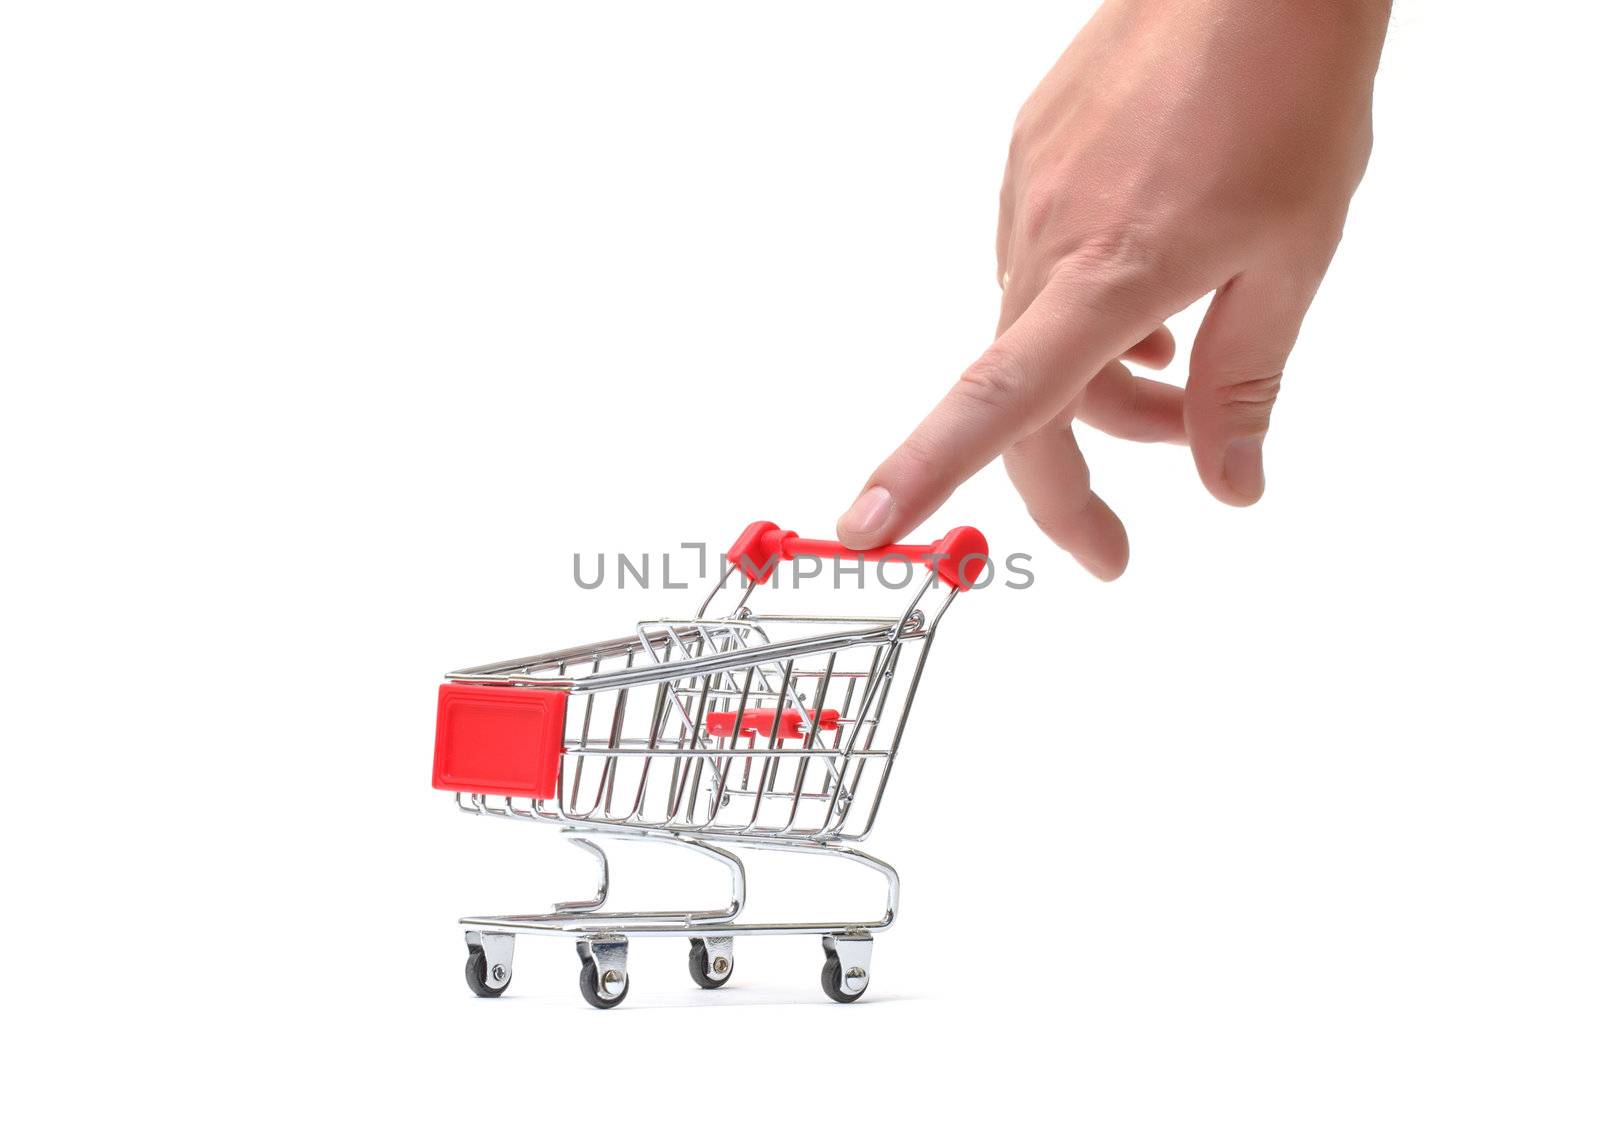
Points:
[[713, 735]]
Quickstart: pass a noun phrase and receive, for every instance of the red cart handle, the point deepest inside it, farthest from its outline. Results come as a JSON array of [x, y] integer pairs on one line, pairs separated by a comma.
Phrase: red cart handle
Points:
[[958, 558]]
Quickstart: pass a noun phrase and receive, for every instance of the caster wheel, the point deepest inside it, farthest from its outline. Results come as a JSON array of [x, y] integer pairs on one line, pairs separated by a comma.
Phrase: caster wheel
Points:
[[478, 975], [589, 985], [833, 982], [702, 965]]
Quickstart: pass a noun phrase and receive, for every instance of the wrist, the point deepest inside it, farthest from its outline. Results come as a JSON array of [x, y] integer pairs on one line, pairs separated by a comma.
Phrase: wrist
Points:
[[1349, 34], [1370, 16]]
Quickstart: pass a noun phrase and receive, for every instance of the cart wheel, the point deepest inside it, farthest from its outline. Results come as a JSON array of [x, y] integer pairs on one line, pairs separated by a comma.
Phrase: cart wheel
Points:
[[833, 982], [589, 984], [703, 967], [478, 975]]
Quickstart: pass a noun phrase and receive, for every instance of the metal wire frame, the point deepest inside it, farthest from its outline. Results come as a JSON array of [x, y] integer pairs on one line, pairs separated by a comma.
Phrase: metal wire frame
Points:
[[645, 758], [641, 755]]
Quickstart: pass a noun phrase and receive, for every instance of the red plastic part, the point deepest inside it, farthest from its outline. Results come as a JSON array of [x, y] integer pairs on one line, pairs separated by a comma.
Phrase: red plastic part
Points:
[[758, 550], [959, 558], [499, 740], [758, 722]]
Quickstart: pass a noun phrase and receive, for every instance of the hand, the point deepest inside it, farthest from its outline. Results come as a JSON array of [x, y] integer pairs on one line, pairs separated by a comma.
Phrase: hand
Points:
[[1178, 147]]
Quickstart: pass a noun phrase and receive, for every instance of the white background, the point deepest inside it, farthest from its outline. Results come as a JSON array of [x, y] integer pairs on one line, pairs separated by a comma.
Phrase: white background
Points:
[[329, 332]]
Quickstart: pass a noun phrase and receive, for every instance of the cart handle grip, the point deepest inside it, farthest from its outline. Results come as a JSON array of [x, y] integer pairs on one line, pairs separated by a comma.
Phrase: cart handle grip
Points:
[[958, 558]]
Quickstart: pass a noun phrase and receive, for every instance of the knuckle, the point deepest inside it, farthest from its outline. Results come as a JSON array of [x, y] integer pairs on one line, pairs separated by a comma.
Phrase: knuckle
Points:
[[1120, 269], [1060, 511], [1120, 255], [995, 382], [1060, 518], [1249, 401], [1038, 207], [920, 456]]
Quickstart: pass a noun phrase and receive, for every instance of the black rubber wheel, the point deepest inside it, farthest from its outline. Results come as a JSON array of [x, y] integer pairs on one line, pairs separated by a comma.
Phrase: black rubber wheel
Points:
[[589, 984], [833, 977], [697, 967], [478, 975]]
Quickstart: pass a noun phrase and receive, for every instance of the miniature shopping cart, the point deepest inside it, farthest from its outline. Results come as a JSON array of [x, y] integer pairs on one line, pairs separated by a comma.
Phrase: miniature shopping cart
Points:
[[773, 732]]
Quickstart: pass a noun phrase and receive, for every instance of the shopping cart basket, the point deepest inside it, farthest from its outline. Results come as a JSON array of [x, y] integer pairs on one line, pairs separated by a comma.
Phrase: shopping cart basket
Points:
[[773, 732]]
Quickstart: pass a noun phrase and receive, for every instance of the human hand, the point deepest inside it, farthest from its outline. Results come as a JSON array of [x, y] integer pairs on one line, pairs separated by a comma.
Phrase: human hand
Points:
[[1178, 147]]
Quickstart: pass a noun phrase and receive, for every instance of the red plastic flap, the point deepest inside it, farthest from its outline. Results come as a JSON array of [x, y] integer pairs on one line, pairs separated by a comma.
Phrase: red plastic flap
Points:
[[499, 740], [758, 722]]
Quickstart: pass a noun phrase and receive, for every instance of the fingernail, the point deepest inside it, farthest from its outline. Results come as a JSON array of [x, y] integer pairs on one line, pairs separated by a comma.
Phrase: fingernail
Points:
[[868, 513], [1241, 468]]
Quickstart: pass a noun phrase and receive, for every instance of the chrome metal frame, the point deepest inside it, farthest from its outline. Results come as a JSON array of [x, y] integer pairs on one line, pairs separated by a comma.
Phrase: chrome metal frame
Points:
[[645, 759]]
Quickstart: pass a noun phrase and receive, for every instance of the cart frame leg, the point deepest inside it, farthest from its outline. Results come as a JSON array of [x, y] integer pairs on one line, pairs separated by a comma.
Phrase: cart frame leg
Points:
[[602, 936], [602, 890], [584, 918]]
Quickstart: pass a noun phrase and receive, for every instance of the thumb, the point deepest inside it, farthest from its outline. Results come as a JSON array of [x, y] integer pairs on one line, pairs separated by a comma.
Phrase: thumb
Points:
[[1235, 370]]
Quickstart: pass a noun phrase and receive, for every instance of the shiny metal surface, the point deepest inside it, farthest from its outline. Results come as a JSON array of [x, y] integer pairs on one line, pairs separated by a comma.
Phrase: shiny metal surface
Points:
[[498, 948], [855, 960], [641, 762]]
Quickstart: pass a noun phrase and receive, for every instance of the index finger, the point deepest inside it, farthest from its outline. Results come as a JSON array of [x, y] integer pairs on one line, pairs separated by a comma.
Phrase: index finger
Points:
[[1075, 325]]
